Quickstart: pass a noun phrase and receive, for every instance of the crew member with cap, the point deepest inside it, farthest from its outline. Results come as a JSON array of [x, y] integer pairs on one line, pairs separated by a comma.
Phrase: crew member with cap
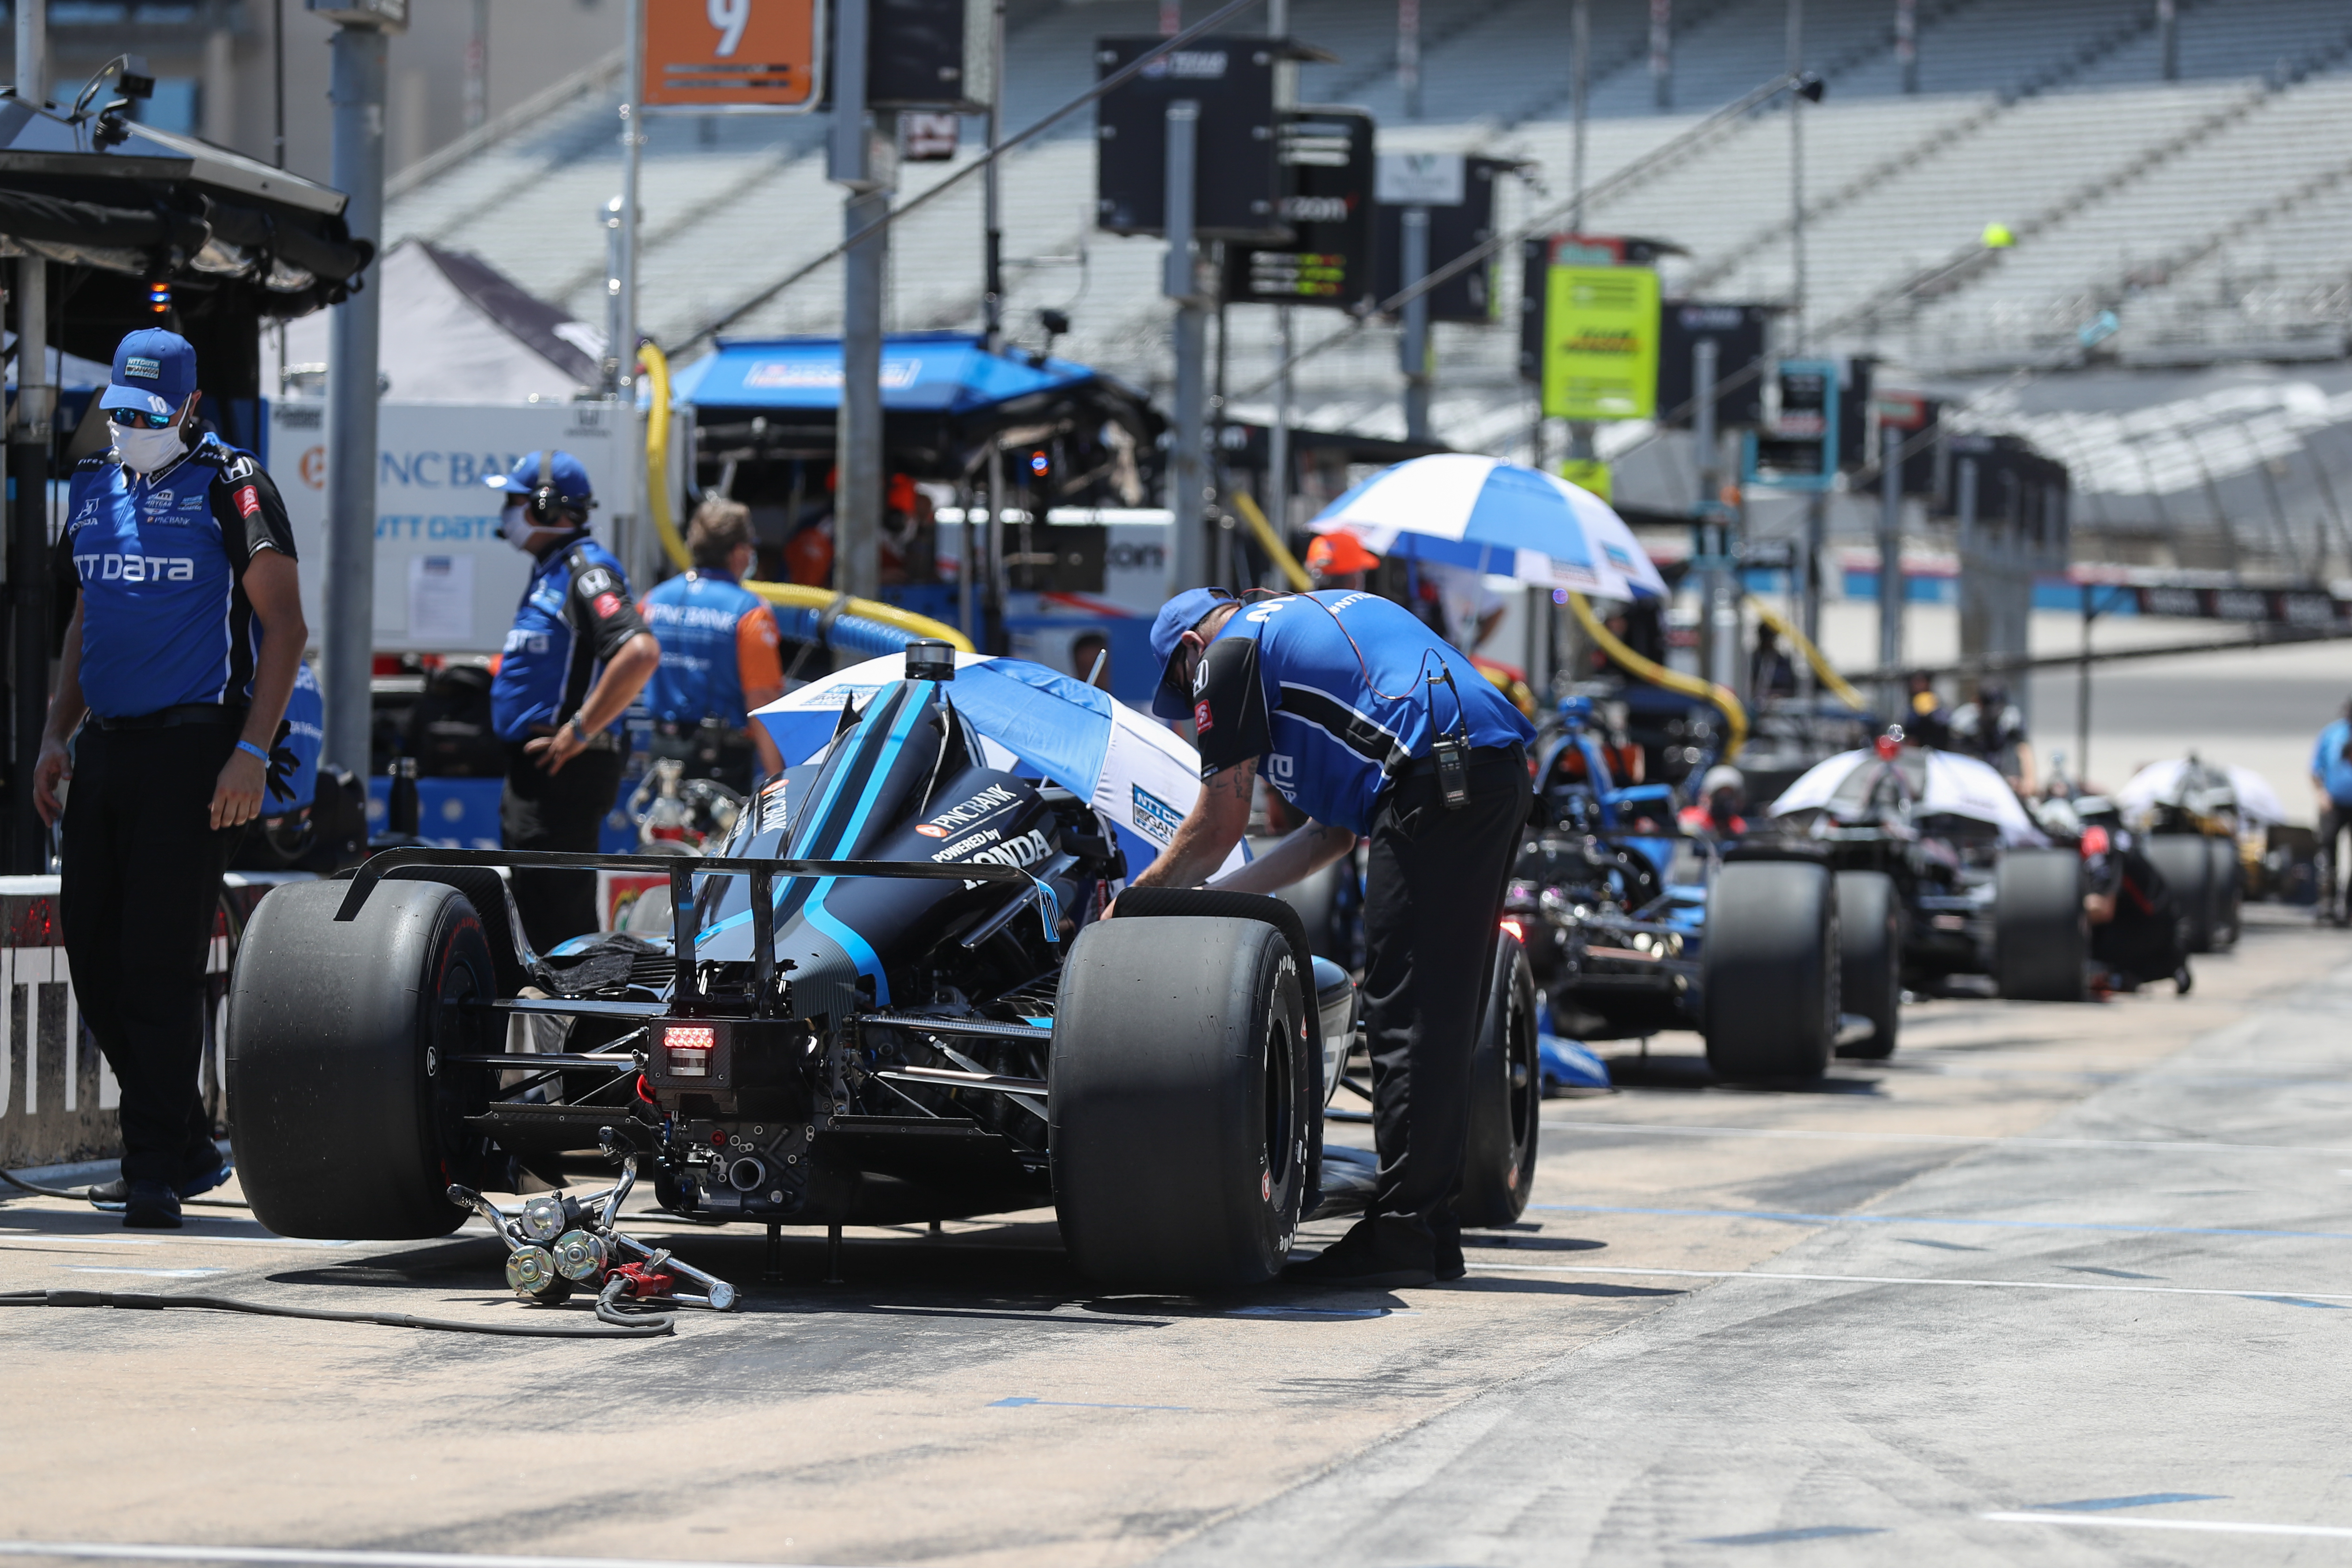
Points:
[[181, 649], [1370, 725], [576, 658], [719, 659], [1720, 812]]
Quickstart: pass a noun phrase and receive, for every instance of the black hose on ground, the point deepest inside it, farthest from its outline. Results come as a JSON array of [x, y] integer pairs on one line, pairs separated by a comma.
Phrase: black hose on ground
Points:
[[610, 1329], [81, 1194]]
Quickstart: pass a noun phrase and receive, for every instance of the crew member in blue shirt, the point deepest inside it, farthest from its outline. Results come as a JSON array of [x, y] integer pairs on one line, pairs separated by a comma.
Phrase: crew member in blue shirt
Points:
[[575, 659], [1372, 726], [2331, 783], [719, 655], [185, 633]]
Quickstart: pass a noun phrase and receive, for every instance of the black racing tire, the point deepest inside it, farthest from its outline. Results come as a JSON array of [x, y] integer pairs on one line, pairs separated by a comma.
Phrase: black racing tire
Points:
[[347, 1124], [1870, 960], [2041, 941], [2187, 867], [1498, 1168], [1182, 1098], [1769, 971], [2228, 891]]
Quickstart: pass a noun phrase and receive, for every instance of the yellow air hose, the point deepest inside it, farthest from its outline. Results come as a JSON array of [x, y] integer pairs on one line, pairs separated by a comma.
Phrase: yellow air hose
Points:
[[793, 595], [1735, 716], [1832, 682]]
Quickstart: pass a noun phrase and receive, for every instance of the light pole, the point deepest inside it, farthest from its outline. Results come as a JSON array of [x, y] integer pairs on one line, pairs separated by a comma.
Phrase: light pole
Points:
[[861, 163], [28, 470]]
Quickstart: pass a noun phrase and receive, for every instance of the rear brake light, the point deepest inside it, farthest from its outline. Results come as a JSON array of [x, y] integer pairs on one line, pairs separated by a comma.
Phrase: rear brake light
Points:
[[687, 1051]]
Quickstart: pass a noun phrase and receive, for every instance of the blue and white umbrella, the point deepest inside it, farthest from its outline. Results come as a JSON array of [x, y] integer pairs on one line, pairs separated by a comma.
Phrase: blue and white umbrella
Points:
[[1497, 517], [1134, 771]]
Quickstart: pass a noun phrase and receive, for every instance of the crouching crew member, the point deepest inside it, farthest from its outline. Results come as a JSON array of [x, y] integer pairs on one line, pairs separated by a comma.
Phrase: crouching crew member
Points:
[[181, 647], [1369, 724], [575, 659], [719, 659]]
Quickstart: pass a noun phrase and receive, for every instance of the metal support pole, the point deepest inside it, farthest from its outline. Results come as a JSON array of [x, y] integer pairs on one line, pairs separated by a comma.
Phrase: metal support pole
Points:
[[28, 474], [2082, 700], [852, 162], [1409, 55], [348, 641], [1890, 570], [1907, 42], [1817, 528], [1797, 178], [1661, 52], [1188, 479], [631, 540], [1720, 637], [1579, 92], [858, 504], [1277, 441], [2168, 37], [1413, 348], [991, 199]]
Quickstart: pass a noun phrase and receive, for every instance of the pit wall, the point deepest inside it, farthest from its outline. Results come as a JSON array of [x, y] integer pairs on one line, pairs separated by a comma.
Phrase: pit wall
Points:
[[58, 1096]]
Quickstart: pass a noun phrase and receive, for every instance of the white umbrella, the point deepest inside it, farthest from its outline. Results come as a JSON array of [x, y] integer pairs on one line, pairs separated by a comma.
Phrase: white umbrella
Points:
[[1498, 517], [1939, 783], [2160, 782]]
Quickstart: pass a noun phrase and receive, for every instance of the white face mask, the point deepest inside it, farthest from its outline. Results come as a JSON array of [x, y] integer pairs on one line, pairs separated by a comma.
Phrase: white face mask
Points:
[[145, 451], [513, 527]]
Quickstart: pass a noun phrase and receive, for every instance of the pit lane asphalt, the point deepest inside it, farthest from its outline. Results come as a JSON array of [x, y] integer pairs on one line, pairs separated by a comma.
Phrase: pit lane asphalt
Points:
[[1989, 1255]]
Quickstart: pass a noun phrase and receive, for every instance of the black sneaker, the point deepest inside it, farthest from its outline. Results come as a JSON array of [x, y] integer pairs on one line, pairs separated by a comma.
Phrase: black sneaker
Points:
[[151, 1205], [112, 1195], [1359, 1260]]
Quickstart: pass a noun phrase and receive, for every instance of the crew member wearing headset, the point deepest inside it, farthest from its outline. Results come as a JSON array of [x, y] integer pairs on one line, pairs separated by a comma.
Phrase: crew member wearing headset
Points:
[[181, 647], [719, 655], [1372, 726], [575, 659]]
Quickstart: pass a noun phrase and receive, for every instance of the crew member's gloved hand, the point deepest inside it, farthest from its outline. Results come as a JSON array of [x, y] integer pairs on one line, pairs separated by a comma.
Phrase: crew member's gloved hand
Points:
[[282, 762]]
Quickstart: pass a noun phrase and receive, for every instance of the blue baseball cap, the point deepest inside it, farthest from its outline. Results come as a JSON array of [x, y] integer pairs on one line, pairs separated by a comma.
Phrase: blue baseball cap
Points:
[[154, 370], [564, 472], [1176, 617]]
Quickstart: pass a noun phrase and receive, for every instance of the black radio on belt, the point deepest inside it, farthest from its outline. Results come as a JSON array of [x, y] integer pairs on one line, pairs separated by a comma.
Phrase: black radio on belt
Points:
[[1451, 752]]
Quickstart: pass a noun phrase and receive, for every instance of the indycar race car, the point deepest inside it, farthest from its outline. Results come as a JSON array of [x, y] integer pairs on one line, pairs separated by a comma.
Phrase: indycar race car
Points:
[[893, 995], [1633, 928]]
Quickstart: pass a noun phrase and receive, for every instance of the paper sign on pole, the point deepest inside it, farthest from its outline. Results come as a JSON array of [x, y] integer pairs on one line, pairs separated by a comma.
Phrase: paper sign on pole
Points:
[[1601, 342], [733, 56], [1421, 179]]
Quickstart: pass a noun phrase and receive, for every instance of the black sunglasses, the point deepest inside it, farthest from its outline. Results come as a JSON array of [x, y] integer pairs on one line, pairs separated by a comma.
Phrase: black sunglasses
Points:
[[139, 419]]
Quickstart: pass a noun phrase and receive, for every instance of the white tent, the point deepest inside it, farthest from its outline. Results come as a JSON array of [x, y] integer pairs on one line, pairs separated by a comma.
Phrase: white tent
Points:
[[455, 329]]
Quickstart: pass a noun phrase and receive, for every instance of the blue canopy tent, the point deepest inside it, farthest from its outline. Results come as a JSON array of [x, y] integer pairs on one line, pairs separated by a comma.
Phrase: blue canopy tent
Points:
[[944, 397]]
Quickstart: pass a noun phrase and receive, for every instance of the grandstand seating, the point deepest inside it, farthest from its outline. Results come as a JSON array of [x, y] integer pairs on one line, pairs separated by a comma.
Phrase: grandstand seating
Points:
[[2214, 213]]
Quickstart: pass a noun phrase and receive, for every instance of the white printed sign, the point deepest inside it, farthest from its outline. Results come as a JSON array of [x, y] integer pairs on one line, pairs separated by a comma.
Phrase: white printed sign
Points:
[[445, 580]]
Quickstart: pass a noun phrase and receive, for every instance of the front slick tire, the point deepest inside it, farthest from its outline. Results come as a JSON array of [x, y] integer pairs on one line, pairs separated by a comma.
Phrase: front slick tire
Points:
[[347, 1123], [1183, 1080], [1506, 1097], [1768, 964]]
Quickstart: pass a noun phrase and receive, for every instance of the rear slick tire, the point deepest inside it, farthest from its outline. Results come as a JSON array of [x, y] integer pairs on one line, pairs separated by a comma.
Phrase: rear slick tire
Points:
[[1498, 1168], [2228, 891], [1769, 964], [1183, 1084], [2187, 867], [1870, 960], [2041, 941], [347, 1124]]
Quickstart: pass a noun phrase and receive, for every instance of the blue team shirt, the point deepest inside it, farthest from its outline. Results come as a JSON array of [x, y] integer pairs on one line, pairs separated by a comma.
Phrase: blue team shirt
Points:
[[699, 619], [1329, 692], [2329, 765], [575, 614], [159, 560]]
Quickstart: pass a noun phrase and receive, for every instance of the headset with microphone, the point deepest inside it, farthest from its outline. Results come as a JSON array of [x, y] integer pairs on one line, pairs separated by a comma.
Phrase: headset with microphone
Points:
[[547, 507]]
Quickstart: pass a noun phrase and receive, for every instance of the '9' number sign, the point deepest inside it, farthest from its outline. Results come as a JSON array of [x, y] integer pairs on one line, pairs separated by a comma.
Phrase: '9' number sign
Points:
[[732, 54]]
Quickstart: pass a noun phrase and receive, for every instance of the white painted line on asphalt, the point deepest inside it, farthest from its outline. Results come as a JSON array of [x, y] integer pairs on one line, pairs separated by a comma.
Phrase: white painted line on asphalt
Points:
[[2290, 1296], [321, 1557], [2209, 1526], [1803, 1216], [151, 1273], [1655, 1130]]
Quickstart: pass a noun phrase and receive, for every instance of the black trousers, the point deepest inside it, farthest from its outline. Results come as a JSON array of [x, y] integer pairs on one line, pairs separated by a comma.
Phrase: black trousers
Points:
[[563, 811], [2334, 824], [140, 882], [1432, 912]]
